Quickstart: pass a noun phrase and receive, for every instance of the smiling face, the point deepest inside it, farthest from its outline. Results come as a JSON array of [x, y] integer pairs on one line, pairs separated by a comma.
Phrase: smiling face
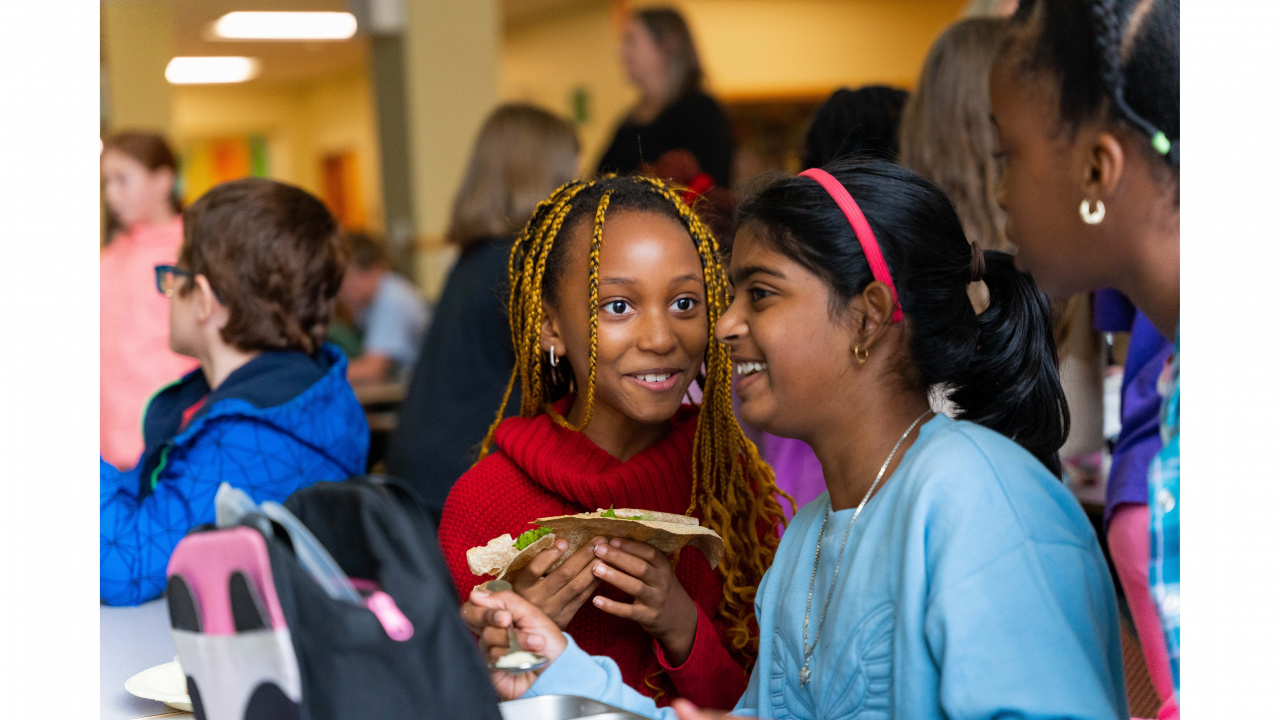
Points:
[[652, 317], [788, 350], [1045, 176]]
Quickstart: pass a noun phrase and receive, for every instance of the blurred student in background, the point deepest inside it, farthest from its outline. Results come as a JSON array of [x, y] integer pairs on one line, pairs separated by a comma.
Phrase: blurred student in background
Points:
[[1085, 99], [946, 134], [386, 310], [674, 112], [143, 214], [521, 155], [851, 123], [269, 409], [862, 123]]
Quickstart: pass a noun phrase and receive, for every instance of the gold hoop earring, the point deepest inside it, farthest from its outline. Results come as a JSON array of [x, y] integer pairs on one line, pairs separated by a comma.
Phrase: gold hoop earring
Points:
[[861, 354], [1092, 217]]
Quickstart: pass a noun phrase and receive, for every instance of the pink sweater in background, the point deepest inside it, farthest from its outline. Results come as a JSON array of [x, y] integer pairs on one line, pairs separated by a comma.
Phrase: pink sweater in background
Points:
[[135, 356]]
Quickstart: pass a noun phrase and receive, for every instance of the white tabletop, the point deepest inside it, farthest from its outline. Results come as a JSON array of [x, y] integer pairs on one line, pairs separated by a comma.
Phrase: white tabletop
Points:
[[132, 640]]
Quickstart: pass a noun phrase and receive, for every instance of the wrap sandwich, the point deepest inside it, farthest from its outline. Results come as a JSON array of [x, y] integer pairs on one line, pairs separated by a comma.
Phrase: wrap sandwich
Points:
[[665, 531]]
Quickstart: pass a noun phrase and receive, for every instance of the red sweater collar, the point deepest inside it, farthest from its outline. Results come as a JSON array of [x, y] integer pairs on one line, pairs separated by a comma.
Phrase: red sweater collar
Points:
[[570, 465]]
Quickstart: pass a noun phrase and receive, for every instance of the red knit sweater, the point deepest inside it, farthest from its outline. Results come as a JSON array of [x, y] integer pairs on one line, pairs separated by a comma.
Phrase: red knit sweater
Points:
[[539, 469]]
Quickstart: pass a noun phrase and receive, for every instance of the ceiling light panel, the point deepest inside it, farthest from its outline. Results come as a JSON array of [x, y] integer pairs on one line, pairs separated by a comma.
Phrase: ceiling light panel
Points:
[[242, 25], [211, 70]]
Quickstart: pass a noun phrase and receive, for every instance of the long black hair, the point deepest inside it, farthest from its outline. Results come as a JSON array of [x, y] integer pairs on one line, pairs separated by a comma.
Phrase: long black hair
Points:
[[1002, 364], [1120, 57]]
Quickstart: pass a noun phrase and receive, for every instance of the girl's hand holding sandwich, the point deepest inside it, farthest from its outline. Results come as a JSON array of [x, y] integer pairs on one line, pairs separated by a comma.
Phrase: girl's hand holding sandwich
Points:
[[661, 605], [562, 591]]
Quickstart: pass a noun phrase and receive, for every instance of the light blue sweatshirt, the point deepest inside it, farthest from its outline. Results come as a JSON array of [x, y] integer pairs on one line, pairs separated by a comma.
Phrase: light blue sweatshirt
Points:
[[972, 587]]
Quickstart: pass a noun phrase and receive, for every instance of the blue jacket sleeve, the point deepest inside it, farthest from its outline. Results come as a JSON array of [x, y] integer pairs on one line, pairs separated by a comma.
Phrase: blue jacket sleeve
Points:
[[139, 533]]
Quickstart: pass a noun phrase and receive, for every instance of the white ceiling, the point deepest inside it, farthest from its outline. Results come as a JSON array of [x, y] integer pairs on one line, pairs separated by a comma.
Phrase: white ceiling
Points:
[[289, 62], [282, 62]]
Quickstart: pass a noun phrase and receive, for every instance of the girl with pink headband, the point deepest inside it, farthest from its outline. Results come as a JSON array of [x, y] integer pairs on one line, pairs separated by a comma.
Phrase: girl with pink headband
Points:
[[946, 572]]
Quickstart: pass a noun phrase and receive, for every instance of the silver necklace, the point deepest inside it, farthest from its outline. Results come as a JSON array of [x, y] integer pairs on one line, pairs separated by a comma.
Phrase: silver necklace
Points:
[[808, 649]]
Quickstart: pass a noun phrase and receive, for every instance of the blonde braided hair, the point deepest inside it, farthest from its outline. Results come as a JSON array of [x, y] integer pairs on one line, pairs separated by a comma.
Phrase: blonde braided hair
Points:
[[733, 489]]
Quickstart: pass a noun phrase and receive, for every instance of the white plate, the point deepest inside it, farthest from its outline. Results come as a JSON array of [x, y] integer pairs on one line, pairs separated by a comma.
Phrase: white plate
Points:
[[165, 683]]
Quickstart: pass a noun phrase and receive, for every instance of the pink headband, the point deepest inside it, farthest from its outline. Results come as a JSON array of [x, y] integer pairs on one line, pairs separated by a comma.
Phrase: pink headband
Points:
[[861, 228]]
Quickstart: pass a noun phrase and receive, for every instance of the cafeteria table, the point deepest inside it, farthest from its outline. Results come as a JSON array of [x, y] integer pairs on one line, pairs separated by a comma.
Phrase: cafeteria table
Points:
[[132, 640]]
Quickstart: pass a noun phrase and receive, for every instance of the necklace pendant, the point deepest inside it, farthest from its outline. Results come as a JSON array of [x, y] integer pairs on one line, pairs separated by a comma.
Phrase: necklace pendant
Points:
[[804, 674]]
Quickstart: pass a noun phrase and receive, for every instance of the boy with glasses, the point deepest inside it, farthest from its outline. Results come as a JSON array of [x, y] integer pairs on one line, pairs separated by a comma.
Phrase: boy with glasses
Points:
[[269, 410]]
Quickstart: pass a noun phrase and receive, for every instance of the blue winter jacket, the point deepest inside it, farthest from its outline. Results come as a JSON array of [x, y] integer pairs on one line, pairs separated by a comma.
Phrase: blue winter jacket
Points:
[[282, 421]]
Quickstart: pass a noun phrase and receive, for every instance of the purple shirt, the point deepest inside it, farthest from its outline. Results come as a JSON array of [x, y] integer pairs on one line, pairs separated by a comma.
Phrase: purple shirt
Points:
[[1139, 439], [796, 468]]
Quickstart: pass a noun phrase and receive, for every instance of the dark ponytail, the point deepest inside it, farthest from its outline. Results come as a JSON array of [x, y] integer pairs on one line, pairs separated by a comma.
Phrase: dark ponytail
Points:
[[1011, 385], [1002, 365]]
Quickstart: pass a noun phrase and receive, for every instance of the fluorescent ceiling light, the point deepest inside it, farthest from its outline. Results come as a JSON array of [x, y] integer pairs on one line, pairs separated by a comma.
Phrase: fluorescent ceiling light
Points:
[[242, 25], [208, 70]]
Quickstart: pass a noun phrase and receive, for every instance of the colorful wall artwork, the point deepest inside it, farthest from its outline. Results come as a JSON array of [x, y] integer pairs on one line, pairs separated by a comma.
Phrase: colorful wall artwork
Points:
[[206, 163]]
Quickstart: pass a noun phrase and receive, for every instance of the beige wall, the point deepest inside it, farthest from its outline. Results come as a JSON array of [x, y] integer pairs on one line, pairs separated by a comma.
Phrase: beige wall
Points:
[[543, 61], [302, 122], [751, 49], [137, 45], [451, 78]]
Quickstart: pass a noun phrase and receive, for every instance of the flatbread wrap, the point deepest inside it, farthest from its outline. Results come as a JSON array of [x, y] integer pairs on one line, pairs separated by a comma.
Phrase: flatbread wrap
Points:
[[665, 531]]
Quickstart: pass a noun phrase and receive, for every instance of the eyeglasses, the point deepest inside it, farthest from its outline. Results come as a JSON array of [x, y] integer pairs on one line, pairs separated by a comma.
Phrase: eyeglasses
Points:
[[167, 278]]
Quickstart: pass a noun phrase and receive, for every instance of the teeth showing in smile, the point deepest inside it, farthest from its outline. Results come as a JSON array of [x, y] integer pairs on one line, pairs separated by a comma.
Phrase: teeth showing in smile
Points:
[[751, 368], [653, 378]]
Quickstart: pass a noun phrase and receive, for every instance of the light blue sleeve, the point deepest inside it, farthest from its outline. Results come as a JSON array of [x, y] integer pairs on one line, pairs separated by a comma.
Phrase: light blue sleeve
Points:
[[596, 677], [396, 322]]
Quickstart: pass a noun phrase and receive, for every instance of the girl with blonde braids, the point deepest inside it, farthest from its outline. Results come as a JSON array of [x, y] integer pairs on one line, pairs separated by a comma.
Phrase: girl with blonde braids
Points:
[[616, 287]]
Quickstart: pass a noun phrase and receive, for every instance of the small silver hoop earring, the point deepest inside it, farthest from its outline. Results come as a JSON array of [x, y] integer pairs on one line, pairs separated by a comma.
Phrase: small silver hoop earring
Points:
[[552, 354], [1095, 216]]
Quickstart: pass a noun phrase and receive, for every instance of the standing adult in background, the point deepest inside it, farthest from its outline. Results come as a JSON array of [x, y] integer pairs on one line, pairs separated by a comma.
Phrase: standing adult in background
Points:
[[387, 310], [858, 123], [674, 112], [138, 187], [1085, 98], [521, 155]]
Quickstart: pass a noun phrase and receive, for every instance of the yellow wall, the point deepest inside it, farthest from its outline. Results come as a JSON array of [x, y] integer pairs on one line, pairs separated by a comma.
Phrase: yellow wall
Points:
[[766, 47], [751, 49], [302, 122]]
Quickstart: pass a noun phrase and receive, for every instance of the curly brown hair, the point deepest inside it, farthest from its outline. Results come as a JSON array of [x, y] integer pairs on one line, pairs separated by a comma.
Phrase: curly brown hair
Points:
[[273, 254]]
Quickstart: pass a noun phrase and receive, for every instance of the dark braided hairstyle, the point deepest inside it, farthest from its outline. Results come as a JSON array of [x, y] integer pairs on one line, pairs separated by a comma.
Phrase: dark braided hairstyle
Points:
[[1118, 57]]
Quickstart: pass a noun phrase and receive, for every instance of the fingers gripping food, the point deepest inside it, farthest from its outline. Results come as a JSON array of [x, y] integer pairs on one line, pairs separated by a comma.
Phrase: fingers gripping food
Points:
[[665, 531]]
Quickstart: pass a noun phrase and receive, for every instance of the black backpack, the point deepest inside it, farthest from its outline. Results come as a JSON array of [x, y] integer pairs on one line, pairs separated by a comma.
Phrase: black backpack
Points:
[[258, 637]]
